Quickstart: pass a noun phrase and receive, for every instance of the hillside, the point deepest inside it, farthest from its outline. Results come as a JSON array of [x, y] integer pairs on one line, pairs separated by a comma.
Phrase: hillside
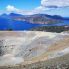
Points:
[[32, 48], [37, 18], [42, 19], [50, 28]]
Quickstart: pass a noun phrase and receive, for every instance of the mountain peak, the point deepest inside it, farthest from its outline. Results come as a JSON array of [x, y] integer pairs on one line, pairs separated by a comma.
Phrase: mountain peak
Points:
[[15, 14]]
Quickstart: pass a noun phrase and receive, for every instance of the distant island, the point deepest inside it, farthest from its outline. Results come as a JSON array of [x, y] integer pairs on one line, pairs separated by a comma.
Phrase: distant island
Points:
[[38, 22]]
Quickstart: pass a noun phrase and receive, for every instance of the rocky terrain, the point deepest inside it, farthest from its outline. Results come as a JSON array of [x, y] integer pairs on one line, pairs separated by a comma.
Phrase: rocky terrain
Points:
[[34, 50]]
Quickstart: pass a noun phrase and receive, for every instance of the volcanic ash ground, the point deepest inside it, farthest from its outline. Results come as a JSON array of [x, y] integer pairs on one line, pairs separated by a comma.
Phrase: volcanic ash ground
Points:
[[31, 46]]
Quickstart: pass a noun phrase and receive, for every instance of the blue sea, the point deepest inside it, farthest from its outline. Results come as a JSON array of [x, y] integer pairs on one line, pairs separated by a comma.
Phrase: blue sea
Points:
[[6, 24]]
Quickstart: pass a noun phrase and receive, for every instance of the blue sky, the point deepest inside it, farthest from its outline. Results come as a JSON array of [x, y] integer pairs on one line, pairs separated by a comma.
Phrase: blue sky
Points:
[[29, 7], [21, 4]]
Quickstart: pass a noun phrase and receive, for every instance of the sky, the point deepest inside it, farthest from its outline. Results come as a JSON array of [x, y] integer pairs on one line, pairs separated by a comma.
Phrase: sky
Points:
[[21, 4], [30, 7]]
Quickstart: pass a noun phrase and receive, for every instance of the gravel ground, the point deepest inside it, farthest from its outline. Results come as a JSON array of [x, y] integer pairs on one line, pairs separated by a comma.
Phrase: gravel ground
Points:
[[56, 63]]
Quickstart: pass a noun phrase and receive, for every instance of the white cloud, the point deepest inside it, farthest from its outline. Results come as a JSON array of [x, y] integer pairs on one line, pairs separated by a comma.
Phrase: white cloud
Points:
[[10, 8], [58, 3], [45, 5], [36, 10], [41, 8]]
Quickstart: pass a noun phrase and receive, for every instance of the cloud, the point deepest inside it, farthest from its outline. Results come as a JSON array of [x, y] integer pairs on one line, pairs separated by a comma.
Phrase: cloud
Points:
[[45, 5], [56, 3], [36, 10], [10, 8]]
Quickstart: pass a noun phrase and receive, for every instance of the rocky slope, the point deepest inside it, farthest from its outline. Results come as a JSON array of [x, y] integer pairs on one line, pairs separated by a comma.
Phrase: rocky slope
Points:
[[31, 46]]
